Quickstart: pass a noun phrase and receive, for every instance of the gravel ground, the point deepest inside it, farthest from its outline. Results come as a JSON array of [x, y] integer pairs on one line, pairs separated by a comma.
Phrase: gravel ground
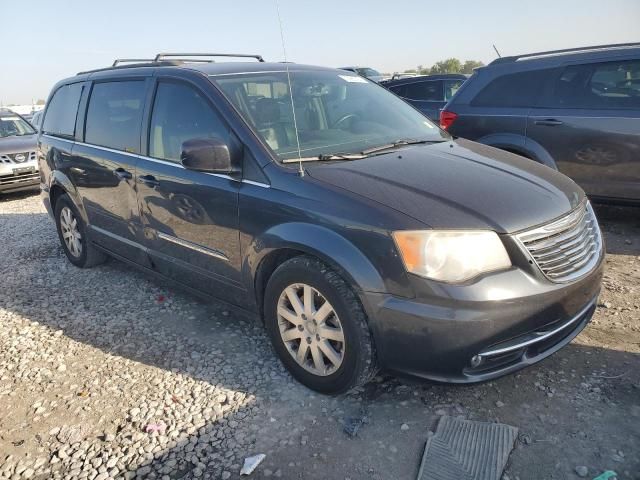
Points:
[[106, 373]]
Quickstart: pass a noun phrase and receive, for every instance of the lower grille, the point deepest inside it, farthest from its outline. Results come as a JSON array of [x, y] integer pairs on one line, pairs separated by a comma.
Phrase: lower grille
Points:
[[19, 178], [565, 249], [532, 345]]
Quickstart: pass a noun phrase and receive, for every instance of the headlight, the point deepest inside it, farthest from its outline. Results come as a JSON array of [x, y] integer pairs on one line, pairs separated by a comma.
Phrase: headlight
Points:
[[451, 255]]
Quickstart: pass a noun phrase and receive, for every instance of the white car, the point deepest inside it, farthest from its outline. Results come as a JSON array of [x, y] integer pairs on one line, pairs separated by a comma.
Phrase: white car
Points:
[[366, 72], [18, 158]]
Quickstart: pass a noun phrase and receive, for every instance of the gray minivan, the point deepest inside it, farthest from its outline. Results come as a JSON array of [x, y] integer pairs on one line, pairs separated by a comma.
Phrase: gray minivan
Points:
[[361, 234], [575, 110]]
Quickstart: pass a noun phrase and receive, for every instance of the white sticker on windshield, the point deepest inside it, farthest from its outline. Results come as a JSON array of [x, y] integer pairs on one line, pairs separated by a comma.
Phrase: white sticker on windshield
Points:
[[352, 79], [9, 118]]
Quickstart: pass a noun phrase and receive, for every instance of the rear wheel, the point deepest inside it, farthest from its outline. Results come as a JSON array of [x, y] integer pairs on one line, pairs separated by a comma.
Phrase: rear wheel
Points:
[[318, 327], [72, 233]]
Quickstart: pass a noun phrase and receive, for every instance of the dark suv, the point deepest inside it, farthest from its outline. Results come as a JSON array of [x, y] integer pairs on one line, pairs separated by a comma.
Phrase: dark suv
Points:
[[428, 93], [575, 110], [363, 235]]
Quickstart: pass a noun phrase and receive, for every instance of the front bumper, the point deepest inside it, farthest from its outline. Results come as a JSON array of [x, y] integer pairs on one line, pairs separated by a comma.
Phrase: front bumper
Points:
[[18, 177], [500, 324]]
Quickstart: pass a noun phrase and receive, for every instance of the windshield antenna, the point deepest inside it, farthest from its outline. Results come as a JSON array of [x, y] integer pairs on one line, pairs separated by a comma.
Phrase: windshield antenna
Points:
[[293, 109]]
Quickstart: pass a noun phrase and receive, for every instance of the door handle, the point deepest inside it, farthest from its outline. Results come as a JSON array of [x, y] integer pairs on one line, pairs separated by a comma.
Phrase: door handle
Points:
[[548, 122], [149, 180], [79, 171], [122, 174]]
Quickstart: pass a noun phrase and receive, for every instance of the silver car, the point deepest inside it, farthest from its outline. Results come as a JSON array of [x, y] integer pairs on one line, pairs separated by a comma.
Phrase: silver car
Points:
[[18, 161]]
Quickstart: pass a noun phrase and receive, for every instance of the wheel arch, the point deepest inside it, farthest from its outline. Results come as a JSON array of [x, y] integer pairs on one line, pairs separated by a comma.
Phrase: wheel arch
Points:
[[520, 145], [286, 241], [60, 185]]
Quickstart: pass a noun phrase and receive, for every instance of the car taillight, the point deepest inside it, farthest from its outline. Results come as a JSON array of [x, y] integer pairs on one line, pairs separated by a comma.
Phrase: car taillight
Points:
[[447, 119]]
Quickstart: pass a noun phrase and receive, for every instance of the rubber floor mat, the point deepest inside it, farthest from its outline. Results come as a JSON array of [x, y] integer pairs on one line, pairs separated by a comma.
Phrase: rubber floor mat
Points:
[[467, 450]]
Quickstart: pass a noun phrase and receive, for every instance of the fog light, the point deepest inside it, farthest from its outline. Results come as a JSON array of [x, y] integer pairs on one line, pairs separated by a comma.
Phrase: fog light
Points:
[[476, 360]]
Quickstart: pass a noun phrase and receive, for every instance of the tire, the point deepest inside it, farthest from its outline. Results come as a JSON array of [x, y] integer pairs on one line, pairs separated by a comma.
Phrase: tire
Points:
[[351, 362], [79, 252]]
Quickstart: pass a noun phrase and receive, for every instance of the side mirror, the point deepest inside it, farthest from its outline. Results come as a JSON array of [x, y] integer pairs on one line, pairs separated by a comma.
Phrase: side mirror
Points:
[[207, 155]]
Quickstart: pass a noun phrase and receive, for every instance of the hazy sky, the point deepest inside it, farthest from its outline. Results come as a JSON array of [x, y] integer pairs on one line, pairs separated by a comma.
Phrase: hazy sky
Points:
[[46, 40]]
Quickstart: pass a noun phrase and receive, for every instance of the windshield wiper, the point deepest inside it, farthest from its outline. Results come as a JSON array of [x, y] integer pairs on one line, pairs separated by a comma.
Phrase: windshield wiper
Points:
[[396, 144], [326, 157], [362, 154]]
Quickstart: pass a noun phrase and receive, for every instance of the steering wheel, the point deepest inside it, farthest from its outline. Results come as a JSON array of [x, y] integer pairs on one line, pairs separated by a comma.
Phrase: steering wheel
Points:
[[344, 118]]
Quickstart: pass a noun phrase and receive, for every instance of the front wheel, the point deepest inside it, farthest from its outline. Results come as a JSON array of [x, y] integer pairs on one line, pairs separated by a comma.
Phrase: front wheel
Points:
[[318, 327]]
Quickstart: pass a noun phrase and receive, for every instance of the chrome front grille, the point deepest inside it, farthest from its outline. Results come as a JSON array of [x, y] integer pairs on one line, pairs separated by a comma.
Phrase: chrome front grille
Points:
[[20, 157], [565, 249]]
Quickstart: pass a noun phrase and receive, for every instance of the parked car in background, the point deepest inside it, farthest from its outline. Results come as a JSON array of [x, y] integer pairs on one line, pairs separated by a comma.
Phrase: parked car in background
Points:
[[18, 163], [399, 76], [37, 119], [365, 72], [575, 110], [428, 93], [364, 236]]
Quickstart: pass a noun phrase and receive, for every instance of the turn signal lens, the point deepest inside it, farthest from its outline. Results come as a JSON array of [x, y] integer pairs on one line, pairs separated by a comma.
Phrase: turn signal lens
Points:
[[451, 256]]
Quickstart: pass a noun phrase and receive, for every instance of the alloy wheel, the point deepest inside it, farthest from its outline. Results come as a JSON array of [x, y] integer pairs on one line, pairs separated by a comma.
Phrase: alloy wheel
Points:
[[310, 329], [70, 232]]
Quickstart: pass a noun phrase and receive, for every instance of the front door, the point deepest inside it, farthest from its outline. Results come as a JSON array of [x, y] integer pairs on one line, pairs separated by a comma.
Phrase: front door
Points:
[[589, 122], [190, 218], [105, 165]]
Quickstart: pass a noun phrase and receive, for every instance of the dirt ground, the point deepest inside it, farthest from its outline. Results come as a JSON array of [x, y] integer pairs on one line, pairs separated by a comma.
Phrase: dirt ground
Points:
[[108, 373]]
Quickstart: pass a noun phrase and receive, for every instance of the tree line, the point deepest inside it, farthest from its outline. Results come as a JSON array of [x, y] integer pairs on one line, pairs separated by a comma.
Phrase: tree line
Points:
[[450, 65]]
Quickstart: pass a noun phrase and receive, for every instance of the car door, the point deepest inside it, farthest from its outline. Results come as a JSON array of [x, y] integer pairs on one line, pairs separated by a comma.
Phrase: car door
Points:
[[105, 164], [426, 95], [190, 218], [58, 131], [589, 122]]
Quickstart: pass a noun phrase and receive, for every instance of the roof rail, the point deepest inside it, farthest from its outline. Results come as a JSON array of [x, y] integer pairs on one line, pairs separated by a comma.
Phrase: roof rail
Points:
[[514, 58], [164, 56], [118, 61]]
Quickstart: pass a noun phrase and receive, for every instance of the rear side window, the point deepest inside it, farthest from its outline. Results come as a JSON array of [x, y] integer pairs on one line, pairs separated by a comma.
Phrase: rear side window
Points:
[[430, 91], [451, 87], [114, 115], [609, 85], [180, 113], [60, 119], [513, 90]]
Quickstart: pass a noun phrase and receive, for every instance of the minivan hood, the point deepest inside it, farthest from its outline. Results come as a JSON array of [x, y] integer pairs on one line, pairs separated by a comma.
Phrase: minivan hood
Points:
[[17, 144], [458, 184]]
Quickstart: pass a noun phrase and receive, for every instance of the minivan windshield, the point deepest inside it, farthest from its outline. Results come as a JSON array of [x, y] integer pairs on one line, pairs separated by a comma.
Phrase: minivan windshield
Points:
[[13, 125], [337, 113]]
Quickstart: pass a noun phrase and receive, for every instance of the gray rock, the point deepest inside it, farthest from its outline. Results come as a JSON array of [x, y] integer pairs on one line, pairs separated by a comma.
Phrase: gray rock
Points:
[[582, 471]]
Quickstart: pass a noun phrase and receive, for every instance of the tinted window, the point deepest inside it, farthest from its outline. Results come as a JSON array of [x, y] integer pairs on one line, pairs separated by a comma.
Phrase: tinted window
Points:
[[398, 90], [426, 91], [180, 113], [513, 90], [62, 111], [451, 87], [114, 115], [601, 85]]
